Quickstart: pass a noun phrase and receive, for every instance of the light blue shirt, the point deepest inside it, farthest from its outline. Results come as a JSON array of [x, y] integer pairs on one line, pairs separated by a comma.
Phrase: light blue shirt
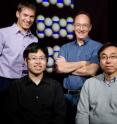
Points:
[[72, 52], [12, 44]]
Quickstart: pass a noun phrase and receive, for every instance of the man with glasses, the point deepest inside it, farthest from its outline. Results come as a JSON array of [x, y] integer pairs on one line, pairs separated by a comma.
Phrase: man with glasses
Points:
[[36, 98], [78, 60], [98, 98]]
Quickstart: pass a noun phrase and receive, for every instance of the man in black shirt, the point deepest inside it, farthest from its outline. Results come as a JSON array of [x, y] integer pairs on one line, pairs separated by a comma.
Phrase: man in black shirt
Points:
[[36, 98]]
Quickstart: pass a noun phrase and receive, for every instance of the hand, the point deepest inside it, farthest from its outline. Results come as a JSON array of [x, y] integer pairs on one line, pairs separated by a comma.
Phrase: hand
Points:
[[60, 60]]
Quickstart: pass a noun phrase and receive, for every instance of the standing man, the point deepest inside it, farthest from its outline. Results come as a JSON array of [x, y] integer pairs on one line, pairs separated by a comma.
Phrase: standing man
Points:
[[98, 98], [13, 41], [36, 98], [78, 60]]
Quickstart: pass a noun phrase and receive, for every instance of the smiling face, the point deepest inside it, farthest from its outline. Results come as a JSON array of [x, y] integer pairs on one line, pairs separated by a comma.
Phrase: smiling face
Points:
[[108, 60], [36, 63], [25, 18], [82, 26]]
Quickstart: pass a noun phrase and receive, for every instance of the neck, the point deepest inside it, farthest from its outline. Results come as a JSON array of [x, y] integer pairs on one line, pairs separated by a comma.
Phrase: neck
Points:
[[21, 29], [109, 76], [36, 78], [80, 41]]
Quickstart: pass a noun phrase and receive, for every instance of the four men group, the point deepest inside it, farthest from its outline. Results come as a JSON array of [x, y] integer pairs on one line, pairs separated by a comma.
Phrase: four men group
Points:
[[29, 96]]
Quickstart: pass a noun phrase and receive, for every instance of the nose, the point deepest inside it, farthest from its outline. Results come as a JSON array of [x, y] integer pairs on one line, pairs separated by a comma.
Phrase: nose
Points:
[[108, 60], [28, 19], [81, 27]]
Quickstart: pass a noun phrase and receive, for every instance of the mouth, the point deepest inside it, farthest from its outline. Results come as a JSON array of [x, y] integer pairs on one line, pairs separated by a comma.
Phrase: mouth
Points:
[[109, 67], [37, 67]]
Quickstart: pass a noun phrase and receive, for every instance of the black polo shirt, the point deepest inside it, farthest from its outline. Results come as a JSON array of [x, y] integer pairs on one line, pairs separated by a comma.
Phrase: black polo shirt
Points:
[[36, 104]]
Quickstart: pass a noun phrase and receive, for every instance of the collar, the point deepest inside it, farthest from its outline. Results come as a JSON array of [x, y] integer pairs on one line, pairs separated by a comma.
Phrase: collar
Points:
[[85, 41], [17, 30], [29, 81], [109, 82]]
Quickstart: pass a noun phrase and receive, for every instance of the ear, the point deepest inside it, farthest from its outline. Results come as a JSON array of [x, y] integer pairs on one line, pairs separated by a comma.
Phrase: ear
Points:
[[73, 27], [17, 14], [25, 61], [90, 27]]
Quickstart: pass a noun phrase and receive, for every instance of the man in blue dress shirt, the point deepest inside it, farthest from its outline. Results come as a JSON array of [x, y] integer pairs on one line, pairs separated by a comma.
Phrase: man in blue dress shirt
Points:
[[78, 60]]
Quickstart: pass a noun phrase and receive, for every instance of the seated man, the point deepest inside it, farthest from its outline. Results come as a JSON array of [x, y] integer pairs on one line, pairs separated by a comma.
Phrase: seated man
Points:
[[36, 98], [98, 98]]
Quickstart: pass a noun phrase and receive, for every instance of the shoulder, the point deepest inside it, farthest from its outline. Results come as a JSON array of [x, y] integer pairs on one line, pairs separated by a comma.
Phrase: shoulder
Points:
[[95, 43], [20, 81], [67, 45], [51, 81], [34, 36], [5, 28], [94, 80]]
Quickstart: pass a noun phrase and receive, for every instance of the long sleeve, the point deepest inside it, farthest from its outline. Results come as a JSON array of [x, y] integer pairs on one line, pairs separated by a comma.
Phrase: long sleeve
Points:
[[82, 116]]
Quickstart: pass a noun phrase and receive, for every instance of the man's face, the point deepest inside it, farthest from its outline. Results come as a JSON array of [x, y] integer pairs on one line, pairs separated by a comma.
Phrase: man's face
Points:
[[36, 63], [25, 18], [82, 26], [108, 60]]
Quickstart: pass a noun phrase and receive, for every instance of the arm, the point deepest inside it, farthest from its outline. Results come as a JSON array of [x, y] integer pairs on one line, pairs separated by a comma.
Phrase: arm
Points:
[[64, 66], [82, 115], [1, 43], [87, 70]]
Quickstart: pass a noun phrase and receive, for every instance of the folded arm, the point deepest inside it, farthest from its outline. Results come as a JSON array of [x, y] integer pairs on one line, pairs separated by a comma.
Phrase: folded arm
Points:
[[87, 70], [64, 66], [82, 68]]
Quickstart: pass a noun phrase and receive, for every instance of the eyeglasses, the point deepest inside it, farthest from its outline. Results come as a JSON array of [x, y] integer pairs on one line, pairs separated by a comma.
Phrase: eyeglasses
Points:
[[84, 26], [108, 57], [37, 59]]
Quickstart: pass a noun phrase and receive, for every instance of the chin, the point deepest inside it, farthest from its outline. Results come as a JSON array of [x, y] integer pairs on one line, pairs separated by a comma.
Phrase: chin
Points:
[[26, 27], [37, 73], [109, 72]]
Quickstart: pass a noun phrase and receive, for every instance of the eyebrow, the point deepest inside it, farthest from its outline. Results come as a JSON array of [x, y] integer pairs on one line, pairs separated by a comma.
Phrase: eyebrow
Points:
[[111, 54]]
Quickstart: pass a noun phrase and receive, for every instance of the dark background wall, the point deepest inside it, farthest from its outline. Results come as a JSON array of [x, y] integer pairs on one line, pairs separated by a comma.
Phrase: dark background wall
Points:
[[103, 23], [97, 8]]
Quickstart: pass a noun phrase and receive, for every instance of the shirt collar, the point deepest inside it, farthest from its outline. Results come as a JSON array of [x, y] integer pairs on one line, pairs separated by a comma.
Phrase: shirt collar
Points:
[[17, 30], [109, 82], [29, 81], [85, 42]]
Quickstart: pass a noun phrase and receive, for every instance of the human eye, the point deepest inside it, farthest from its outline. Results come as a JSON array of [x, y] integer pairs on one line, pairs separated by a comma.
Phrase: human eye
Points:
[[42, 58], [77, 25], [34, 58], [85, 25], [103, 57], [113, 57]]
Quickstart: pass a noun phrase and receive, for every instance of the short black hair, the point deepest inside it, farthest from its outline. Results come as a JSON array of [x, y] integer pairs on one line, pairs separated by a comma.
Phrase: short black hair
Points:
[[33, 48], [106, 45], [26, 3]]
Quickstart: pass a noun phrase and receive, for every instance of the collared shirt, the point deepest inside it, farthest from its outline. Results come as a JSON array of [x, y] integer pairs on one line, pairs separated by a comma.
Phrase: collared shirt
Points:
[[12, 44], [98, 102], [36, 104], [110, 82], [72, 52]]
